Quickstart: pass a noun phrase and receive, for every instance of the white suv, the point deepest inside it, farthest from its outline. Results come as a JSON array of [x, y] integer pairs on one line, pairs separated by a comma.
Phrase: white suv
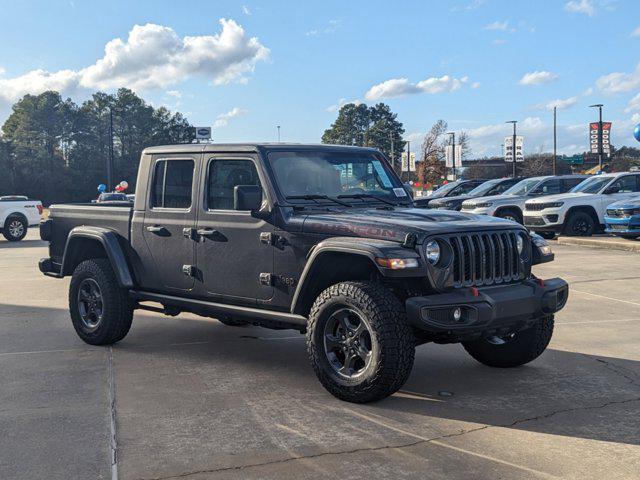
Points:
[[17, 213], [581, 211]]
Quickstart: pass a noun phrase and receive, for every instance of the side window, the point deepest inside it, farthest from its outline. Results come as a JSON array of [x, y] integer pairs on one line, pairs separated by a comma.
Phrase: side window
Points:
[[550, 187], [569, 183], [627, 184], [501, 187], [466, 188], [223, 176], [172, 184]]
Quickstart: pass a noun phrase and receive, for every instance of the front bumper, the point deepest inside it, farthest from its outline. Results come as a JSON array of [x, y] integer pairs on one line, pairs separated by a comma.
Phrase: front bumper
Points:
[[546, 221], [489, 310], [623, 226]]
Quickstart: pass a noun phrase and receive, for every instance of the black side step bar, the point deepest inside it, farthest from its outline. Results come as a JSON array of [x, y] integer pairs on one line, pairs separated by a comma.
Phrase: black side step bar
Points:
[[219, 309]]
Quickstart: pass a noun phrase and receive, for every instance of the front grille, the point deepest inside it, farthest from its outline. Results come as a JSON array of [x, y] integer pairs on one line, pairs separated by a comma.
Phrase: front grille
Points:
[[533, 221], [484, 258], [619, 213], [534, 207], [619, 227]]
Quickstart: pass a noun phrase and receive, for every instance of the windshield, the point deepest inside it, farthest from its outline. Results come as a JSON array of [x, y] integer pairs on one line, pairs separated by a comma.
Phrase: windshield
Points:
[[591, 185], [523, 187], [483, 188], [354, 177], [444, 189]]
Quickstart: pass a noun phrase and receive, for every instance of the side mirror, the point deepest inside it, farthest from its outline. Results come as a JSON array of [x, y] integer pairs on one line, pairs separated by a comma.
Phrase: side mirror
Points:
[[612, 189], [247, 197]]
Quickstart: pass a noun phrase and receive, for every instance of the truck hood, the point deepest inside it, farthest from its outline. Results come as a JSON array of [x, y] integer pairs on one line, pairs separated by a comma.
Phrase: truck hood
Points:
[[396, 224], [561, 197], [628, 203]]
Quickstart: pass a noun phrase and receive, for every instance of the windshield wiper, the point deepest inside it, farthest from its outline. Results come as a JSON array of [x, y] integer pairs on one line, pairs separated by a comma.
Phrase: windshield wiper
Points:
[[317, 197], [368, 195]]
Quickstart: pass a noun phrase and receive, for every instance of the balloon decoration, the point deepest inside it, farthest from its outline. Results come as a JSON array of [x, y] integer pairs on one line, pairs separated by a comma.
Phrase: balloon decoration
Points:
[[124, 184], [102, 188], [636, 132]]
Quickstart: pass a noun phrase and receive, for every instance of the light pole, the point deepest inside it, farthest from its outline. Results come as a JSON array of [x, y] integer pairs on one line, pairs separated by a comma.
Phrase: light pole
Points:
[[453, 153], [278, 133], [555, 142], [599, 107], [513, 148]]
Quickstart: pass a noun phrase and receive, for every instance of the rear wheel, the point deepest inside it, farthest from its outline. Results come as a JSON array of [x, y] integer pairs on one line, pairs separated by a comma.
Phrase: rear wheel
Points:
[[358, 341], [15, 228], [580, 224], [514, 350], [101, 311]]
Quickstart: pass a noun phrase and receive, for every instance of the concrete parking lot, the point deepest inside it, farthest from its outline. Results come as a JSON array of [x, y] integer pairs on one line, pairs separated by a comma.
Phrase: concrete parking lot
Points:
[[188, 397]]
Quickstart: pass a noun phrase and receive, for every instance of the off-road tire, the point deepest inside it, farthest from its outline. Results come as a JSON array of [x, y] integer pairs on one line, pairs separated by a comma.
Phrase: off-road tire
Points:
[[117, 306], [510, 214], [7, 230], [393, 354], [527, 345], [574, 220], [547, 235]]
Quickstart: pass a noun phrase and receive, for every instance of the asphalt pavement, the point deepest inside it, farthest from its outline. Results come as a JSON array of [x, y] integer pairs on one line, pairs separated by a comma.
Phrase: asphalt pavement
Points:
[[188, 397]]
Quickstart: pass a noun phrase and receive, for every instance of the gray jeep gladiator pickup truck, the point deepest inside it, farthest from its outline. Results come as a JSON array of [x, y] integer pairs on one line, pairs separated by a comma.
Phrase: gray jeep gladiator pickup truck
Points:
[[318, 238]]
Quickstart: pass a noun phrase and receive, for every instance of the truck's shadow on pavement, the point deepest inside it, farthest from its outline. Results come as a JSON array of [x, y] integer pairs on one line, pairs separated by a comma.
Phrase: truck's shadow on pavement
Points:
[[561, 393]]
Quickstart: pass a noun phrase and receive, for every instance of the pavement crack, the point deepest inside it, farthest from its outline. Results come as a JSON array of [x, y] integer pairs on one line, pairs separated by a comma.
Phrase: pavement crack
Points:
[[617, 369], [111, 387]]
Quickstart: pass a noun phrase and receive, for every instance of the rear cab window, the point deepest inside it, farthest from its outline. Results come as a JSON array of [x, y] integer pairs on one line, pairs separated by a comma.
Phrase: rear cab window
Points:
[[172, 184]]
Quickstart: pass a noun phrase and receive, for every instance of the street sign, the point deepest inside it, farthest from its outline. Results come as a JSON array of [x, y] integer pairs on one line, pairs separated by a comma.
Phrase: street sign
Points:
[[412, 162], [449, 158], [508, 148], [203, 133], [573, 160], [594, 129]]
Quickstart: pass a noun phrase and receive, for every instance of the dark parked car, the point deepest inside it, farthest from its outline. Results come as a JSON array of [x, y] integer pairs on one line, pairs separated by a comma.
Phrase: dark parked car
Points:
[[490, 187], [320, 239], [451, 189]]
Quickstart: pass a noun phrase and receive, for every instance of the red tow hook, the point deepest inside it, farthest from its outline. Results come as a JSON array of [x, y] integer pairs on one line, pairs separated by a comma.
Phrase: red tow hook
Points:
[[475, 291], [540, 282]]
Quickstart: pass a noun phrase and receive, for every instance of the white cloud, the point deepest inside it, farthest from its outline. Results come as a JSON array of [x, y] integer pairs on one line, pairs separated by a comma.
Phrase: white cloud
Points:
[[636, 32], [153, 56], [581, 6], [559, 103], [174, 93], [502, 26], [618, 82], [341, 103], [397, 87], [472, 5], [222, 120], [475, 85], [331, 27], [246, 10], [538, 78], [633, 105]]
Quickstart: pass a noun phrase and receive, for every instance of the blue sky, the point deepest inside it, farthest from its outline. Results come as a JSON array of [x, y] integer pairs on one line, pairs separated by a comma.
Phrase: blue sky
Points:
[[245, 67]]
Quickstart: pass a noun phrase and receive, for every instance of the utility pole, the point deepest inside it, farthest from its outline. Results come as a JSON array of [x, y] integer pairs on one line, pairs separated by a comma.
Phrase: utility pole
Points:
[[278, 133], [513, 151], [453, 154], [555, 142], [110, 160], [599, 107], [393, 163], [408, 161]]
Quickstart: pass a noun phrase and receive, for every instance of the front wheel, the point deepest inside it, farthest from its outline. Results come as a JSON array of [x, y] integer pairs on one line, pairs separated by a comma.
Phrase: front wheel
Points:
[[358, 341], [580, 224], [510, 215], [515, 350], [101, 311], [15, 228]]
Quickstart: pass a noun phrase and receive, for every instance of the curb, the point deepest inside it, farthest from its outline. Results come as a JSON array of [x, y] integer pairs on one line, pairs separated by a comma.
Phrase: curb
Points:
[[608, 243]]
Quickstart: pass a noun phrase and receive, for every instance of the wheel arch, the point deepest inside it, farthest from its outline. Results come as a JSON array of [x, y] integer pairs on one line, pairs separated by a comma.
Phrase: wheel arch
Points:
[[588, 209], [15, 213], [509, 208], [84, 243]]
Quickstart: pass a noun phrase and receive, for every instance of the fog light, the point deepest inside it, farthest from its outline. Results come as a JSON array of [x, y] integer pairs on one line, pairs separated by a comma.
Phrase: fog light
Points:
[[457, 314]]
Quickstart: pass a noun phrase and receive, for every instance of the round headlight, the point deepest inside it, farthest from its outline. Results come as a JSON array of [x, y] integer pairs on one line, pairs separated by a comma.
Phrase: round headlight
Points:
[[519, 244], [432, 252]]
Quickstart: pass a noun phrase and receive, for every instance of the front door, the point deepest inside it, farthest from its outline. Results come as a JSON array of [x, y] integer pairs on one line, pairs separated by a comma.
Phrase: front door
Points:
[[171, 210], [627, 186], [230, 254]]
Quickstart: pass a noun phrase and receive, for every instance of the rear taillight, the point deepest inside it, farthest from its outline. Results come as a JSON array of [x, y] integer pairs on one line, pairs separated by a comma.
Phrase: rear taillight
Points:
[[40, 209]]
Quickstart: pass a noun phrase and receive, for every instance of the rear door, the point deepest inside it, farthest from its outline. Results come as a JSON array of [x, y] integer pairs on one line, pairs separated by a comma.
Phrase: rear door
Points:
[[171, 210], [231, 256]]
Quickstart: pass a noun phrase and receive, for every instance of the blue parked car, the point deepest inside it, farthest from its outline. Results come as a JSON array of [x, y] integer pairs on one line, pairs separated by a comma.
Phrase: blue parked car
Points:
[[623, 218]]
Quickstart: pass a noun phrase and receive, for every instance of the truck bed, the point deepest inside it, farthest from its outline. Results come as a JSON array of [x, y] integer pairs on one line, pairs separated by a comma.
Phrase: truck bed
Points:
[[68, 216]]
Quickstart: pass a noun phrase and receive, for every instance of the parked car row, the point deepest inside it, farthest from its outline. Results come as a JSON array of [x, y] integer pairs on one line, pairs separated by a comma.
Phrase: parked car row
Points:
[[571, 204]]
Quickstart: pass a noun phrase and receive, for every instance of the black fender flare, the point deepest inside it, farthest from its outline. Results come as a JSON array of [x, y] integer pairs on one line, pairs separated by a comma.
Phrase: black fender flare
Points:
[[109, 241], [370, 249]]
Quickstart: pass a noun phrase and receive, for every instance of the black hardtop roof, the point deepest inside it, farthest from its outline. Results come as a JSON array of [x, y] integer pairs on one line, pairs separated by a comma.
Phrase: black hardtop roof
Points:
[[250, 147]]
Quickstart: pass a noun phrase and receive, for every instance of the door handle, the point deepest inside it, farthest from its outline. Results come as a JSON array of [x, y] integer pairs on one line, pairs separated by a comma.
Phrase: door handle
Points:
[[160, 230], [208, 232]]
